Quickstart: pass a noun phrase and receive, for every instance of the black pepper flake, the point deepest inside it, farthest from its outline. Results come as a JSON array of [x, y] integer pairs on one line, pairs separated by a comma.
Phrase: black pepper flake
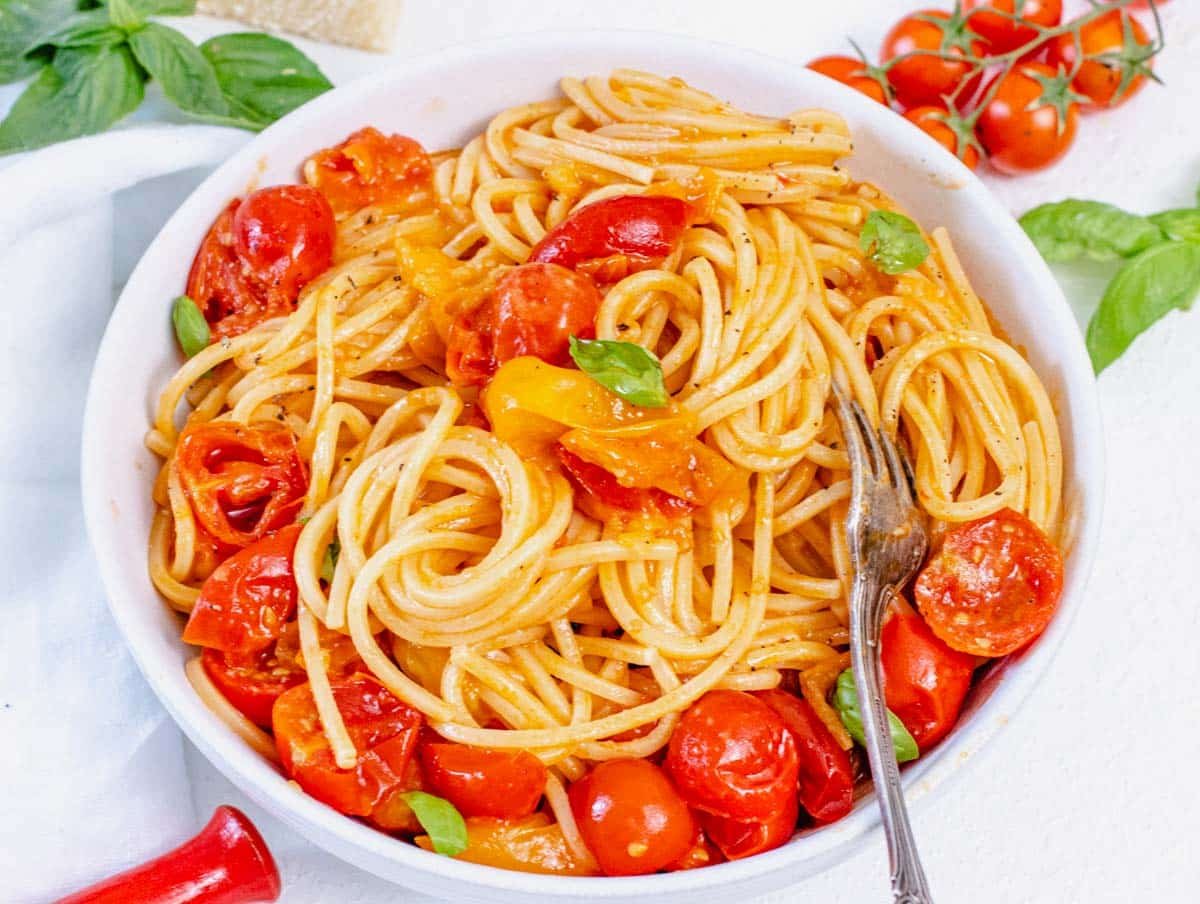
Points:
[[350, 279], [622, 327]]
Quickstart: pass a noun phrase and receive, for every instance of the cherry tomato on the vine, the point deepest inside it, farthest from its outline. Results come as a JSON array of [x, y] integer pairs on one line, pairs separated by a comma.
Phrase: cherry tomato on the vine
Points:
[[1031, 120], [926, 77], [1003, 34], [1117, 54], [933, 122], [852, 72]]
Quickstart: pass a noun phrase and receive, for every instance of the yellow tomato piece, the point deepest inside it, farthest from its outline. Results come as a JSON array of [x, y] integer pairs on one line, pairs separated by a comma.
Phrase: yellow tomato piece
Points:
[[534, 844], [452, 287]]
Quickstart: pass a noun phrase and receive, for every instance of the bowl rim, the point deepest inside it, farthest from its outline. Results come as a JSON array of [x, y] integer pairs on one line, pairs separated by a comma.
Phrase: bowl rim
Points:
[[365, 846]]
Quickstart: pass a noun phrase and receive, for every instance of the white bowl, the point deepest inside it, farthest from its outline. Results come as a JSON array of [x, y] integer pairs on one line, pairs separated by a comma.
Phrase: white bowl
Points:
[[442, 99]]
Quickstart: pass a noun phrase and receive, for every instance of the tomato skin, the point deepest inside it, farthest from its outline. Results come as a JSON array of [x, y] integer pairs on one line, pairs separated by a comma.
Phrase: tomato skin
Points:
[[497, 783], [928, 119], [1003, 35], [534, 844], [368, 167], [600, 492], [242, 481], [641, 229], [925, 79], [533, 310], [733, 756], [218, 283], [849, 71], [925, 682], [631, 817], [826, 778], [736, 839], [1095, 80], [1019, 135], [993, 587]]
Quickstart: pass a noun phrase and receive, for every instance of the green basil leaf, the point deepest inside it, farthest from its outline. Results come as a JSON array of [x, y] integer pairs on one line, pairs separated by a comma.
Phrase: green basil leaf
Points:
[[85, 91], [262, 77], [86, 29], [845, 701], [164, 7], [624, 367], [332, 551], [1161, 279], [186, 77], [442, 823], [1066, 230], [123, 14], [191, 329], [893, 242], [1183, 224], [24, 25]]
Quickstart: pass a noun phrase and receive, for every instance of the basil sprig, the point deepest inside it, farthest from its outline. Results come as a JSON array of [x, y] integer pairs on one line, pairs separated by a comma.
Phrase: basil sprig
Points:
[[626, 368], [845, 701], [441, 821], [24, 26], [893, 242], [1066, 230], [191, 329]]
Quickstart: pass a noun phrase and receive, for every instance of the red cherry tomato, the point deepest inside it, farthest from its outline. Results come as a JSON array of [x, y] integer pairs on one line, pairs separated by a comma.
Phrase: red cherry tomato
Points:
[[599, 492], [1030, 122], [826, 780], [1099, 80], [533, 310], [1003, 34], [632, 819], [925, 682], [499, 783], [638, 230], [932, 121], [737, 839], [926, 79], [852, 72], [993, 586], [242, 482], [733, 756], [368, 168], [701, 852], [384, 730]]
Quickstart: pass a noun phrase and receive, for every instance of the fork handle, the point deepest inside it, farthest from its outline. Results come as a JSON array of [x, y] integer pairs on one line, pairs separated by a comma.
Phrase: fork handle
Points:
[[908, 878]]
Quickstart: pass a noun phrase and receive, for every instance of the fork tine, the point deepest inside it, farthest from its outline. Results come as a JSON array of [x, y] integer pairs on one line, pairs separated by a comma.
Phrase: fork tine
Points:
[[870, 435], [856, 449], [899, 469]]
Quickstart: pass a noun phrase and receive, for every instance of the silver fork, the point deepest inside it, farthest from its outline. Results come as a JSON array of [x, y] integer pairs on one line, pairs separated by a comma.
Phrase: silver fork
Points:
[[887, 545]]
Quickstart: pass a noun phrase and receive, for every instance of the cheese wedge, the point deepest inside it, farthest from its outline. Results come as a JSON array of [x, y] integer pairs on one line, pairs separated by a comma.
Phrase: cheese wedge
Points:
[[370, 24]]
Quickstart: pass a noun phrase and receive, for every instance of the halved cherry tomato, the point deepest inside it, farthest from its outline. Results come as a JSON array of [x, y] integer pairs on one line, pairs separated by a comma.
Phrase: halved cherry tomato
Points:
[[1030, 122], [924, 681], [1003, 34], [368, 168], [534, 844], [600, 493], [612, 238], [259, 254], [534, 309], [242, 481], [932, 121], [501, 783], [925, 78], [993, 586], [244, 604], [384, 730], [632, 819], [852, 72], [826, 779], [1111, 56], [733, 756], [737, 839]]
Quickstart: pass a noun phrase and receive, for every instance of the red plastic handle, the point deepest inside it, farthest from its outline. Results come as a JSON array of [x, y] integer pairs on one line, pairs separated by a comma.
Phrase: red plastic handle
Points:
[[227, 863]]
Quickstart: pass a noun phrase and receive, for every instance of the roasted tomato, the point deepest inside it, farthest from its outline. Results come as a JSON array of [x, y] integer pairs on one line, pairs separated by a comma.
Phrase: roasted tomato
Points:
[[701, 852], [1030, 122], [242, 482], [733, 756], [925, 682], [852, 72], [602, 496], [1003, 34], [1116, 58], [632, 819], [259, 254], [993, 586], [534, 844], [826, 779], [384, 730], [534, 309], [479, 782], [744, 838], [925, 78], [617, 236], [368, 168], [935, 122], [244, 604]]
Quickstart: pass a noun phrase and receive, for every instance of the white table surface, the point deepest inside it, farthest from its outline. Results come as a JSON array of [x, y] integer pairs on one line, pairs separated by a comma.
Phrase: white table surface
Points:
[[1086, 796]]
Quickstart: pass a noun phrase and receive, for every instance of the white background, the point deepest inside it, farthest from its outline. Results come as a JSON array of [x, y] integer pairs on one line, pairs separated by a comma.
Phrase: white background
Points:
[[1090, 794]]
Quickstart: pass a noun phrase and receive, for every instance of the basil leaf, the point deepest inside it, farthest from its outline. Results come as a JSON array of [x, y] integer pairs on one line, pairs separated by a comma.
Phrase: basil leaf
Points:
[[123, 14], [442, 823], [893, 242], [624, 367], [85, 91], [87, 29], [332, 551], [1181, 224], [1157, 281], [262, 78], [845, 701], [191, 329], [164, 7], [24, 25], [1069, 229], [186, 77]]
